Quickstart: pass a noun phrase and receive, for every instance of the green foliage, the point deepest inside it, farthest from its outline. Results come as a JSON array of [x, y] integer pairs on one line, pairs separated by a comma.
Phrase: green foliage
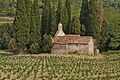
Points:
[[84, 17], [35, 29], [27, 28], [22, 23], [6, 32], [64, 20], [104, 37], [46, 43], [6, 37], [112, 18], [68, 7], [112, 52], [35, 24], [59, 11], [114, 44], [34, 48], [46, 18], [12, 45], [91, 19], [75, 26], [69, 11], [63, 15], [7, 11], [92, 28], [88, 17], [53, 21]]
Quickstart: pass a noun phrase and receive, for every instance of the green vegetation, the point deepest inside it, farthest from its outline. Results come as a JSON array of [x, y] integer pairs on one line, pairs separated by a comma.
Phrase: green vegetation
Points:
[[35, 18], [92, 28], [35, 28], [59, 67], [32, 23], [22, 24], [75, 26], [46, 18], [53, 21], [92, 19], [84, 17], [69, 11], [62, 15]]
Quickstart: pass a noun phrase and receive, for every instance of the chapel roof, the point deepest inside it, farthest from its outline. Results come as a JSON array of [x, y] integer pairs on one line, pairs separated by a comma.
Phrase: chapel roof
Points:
[[72, 39]]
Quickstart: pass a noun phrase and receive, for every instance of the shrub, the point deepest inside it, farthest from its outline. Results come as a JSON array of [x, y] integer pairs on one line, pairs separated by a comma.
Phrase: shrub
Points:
[[12, 45], [46, 43], [112, 52], [34, 48]]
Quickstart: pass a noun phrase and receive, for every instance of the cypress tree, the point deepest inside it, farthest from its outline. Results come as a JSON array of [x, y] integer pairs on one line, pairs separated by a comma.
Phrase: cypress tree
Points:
[[102, 38], [46, 18], [28, 6], [21, 24], [84, 16], [68, 7], [64, 20], [75, 27], [91, 19], [49, 19], [35, 26], [59, 11], [62, 15], [92, 28], [100, 16], [53, 21]]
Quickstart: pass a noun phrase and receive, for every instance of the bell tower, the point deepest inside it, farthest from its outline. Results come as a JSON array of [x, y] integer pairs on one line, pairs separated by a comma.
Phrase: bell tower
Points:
[[59, 31]]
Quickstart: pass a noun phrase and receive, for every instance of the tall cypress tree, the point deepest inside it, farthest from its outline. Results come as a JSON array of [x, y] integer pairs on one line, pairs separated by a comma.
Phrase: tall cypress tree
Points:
[[49, 19], [68, 7], [28, 6], [101, 25], [84, 16], [91, 19], [92, 28], [62, 15], [21, 24], [46, 17], [59, 11], [75, 26], [53, 21], [35, 24], [100, 13], [64, 20]]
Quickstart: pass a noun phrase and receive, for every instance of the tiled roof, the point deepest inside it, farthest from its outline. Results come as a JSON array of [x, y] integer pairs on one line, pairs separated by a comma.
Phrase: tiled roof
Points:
[[72, 39]]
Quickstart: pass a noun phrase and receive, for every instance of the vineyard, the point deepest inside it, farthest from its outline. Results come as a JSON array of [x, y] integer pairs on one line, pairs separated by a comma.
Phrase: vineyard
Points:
[[54, 67]]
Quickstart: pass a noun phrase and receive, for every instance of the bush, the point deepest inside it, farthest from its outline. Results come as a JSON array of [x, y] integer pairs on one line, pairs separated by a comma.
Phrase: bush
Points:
[[12, 45], [46, 43], [112, 52], [34, 48]]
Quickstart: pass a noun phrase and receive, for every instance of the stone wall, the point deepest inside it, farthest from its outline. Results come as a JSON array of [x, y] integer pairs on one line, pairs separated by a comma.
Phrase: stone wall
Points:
[[72, 47], [59, 48], [83, 48], [91, 47]]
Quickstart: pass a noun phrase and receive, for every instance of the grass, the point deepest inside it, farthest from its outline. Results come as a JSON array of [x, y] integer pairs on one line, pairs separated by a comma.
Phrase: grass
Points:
[[59, 67], [4, 20]]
